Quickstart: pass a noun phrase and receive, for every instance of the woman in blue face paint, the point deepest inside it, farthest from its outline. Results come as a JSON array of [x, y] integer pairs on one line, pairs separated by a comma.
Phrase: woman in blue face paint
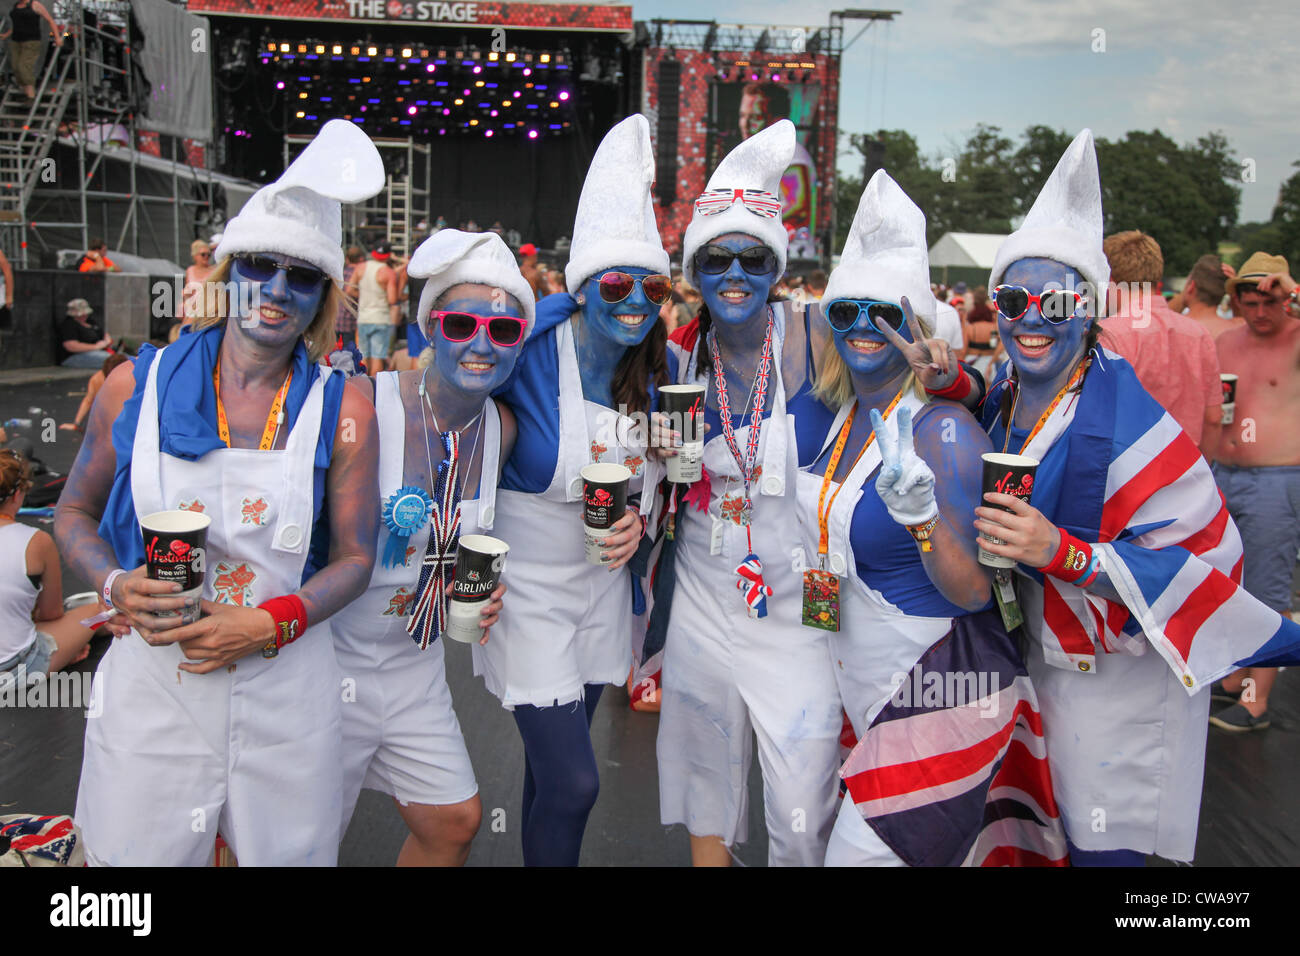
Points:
[[889, 557], [230, 724], [581, 395], [400, 733], [736, 660], [1124, 554]]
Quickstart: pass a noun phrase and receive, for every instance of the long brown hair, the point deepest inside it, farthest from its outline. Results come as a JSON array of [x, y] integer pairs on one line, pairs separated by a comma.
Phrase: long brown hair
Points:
[[640, 364], [15, 474], [319, 336]]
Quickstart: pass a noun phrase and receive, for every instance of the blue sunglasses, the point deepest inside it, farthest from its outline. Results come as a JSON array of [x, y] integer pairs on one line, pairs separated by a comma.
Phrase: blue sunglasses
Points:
[[843, 314]]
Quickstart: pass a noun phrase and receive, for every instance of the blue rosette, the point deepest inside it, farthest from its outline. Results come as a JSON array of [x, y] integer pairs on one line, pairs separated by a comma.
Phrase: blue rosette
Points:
[[406, 511]]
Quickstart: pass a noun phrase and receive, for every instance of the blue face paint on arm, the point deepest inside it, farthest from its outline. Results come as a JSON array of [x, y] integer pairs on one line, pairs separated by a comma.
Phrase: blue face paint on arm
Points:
[[1042, 352]]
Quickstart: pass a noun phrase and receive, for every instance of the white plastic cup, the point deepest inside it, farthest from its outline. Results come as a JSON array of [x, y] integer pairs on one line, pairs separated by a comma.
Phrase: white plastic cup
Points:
[[480, 559]]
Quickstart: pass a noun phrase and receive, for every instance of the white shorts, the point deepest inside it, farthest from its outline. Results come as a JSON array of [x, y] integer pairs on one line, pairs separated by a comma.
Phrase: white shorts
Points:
[[400, 733], [727, 676]]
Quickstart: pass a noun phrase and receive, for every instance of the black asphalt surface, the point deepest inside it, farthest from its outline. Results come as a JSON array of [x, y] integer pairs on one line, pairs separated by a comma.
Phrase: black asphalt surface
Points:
[[1250, 815]]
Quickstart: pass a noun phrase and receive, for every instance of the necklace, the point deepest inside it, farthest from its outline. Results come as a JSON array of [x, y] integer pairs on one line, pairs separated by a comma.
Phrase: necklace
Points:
[[274, 419], [823, 509], [1042, 419], [429, 616], [752, 585]]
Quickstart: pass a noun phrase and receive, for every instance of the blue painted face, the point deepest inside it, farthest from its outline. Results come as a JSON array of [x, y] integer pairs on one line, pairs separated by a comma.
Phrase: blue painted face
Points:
[[1041, 351], [478, 365], [272, 313], [627, 322], [735, 297], [867, 353]]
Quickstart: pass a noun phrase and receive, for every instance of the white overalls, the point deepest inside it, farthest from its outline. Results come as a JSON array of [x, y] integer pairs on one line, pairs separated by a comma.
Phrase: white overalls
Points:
[[566, 623], [876, 640], [726, 673], [251, 750], [400, 732]]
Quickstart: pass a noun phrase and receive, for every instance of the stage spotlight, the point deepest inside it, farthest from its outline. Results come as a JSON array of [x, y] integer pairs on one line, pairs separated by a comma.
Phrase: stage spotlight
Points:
[[458, 102], [372, 51], [302, 96], [493, 114], [337, 50], [505, 102], [776, 77], [554, 104], [270, 47], [429, 67], [356, 51], [280, 85], [300, 114], [528, 71], [510, 58], [302, 48], [320, 48], [284, 48], [478, 83], [406, 51], [532, 134], [546, 58], [473, 122], [564, 94], [411, 110], [493, 56], [488, 133]]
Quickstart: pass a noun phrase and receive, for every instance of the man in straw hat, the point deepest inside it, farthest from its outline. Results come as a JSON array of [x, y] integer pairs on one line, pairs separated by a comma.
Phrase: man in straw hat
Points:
[[232, 723], [1258, 466]]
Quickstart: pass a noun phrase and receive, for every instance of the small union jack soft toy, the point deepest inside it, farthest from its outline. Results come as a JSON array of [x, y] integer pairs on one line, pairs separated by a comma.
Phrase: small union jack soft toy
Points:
[[751, 582]]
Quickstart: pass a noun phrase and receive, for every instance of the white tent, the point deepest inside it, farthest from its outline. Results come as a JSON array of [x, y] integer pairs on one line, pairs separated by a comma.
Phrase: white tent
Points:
[[968, 250]]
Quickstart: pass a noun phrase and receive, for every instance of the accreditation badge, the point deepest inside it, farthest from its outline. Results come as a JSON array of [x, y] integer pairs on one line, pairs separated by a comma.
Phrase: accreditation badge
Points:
[[821, 599], [1004, 591]]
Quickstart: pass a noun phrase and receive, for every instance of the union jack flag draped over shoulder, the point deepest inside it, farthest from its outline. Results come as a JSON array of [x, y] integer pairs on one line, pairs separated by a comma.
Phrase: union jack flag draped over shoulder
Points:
[[1117, 469]]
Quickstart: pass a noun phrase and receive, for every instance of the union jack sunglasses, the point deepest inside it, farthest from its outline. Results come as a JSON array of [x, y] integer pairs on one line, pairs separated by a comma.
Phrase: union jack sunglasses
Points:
[[760, 202]]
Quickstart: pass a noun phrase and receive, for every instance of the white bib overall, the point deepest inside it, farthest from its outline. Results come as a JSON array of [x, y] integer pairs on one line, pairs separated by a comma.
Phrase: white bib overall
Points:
[[726, 673], [251, 750], [400, 732], [566, 623], [876, 640]]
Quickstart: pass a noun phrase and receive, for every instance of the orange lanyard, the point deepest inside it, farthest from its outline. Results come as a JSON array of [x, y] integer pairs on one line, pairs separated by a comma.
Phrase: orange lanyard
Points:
[[1042, 419], [272, 420], [823, 509]]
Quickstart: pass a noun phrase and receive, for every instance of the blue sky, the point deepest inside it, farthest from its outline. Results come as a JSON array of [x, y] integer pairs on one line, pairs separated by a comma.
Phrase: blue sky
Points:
[[1185, 68]]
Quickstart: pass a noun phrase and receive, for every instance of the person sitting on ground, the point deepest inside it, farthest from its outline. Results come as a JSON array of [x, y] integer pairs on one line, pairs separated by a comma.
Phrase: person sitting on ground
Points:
[[36, 634], [96, 258], [92, 388], [84, 339]]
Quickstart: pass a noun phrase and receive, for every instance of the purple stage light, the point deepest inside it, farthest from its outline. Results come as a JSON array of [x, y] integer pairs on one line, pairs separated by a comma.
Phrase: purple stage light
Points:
[[528, 71], [478, 69], [411, 110], [487, 133], [280, 85], [429, 67], [564, 94], [532, 134]]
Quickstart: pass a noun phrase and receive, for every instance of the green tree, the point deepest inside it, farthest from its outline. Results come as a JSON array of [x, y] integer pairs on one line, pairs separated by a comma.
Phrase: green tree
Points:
[[1034, 162], [1286, 217]]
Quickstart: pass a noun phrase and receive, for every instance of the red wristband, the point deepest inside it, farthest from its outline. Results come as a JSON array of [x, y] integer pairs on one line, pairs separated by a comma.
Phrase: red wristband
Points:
[[959, 389], [1072, 560], [290, 618]]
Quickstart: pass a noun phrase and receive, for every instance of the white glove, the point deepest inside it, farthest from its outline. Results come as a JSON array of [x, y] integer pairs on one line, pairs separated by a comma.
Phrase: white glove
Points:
[[905, 483], [342, 361]]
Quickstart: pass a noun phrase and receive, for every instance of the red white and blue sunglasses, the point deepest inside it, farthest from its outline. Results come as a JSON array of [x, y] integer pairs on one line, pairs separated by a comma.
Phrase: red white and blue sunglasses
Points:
[[758, 201], [1055, 305], [503, 330]]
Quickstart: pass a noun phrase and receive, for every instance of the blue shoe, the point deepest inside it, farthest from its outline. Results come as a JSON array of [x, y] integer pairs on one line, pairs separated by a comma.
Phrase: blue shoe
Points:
[[1238, 720]]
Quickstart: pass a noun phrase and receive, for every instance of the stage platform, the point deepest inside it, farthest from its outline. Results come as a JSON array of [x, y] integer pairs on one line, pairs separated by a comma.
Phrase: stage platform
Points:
[[1249, 812]]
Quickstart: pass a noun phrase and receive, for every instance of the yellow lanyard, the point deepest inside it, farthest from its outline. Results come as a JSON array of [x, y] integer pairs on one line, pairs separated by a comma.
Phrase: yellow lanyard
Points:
[[823, 509], [272, 420], [1042, 419]]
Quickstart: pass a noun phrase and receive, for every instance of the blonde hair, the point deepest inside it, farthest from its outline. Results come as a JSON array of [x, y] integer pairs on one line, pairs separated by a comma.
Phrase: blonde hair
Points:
[[834, 384], [199, 245], [319, 337]]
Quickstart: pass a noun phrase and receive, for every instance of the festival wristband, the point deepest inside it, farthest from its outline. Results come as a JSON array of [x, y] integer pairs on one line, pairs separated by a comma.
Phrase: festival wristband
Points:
[[922, 532], [290, 617], [959, 389], [1073, 562], [107, 593]]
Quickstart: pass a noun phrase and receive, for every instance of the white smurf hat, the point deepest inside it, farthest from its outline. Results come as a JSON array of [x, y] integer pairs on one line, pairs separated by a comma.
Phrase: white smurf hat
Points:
[[885, 255], [450, 257], [757, 163], [615, 224], [299, 214], [1065, 222]]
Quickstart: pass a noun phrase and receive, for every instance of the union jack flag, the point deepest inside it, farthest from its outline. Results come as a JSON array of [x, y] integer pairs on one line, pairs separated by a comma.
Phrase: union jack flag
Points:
[[1117, 469], [752, 584], [953, 771], [429, 615], [758, 201]]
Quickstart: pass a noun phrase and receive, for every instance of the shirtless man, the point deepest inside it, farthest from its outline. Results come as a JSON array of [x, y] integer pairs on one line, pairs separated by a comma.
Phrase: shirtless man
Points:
[[1258, 467], [1202, 294]]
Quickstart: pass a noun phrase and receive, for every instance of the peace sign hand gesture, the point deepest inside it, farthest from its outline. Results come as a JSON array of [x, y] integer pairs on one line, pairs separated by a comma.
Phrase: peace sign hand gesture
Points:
[[905, 483], [930, 359]]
